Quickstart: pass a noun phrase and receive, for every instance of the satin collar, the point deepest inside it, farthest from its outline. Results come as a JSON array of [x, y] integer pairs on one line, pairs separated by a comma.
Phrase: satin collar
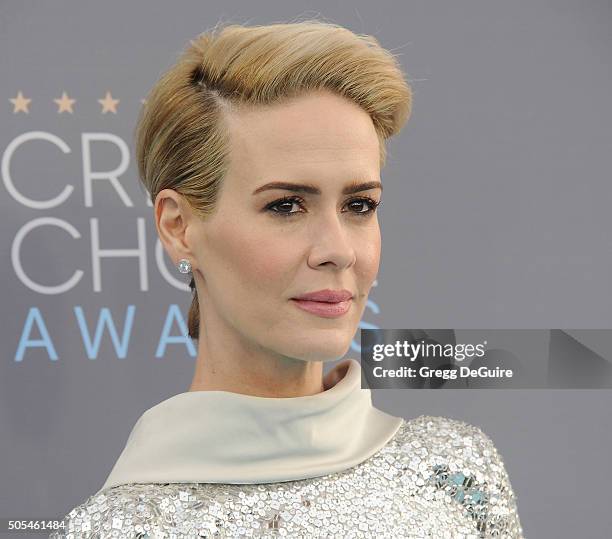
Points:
[[225, 437]]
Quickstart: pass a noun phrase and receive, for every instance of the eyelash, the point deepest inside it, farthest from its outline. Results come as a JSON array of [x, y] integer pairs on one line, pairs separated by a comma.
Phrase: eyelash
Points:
[[299, 200]]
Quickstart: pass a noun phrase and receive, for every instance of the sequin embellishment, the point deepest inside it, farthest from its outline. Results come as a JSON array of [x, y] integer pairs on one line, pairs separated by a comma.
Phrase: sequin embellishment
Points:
[[466, 490], [436, 478]]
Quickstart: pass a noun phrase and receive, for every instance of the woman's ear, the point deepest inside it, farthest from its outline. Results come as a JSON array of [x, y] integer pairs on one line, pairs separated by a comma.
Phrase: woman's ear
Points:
[[171, 218]]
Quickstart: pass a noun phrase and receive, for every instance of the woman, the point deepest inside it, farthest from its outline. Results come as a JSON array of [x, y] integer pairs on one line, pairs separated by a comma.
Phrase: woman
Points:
[[261, 149]]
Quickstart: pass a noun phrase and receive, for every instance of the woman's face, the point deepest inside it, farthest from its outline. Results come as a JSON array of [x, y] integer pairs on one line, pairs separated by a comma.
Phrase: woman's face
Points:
[[257, 252]]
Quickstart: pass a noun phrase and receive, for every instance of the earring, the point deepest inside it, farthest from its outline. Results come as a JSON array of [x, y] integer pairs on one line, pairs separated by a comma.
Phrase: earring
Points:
[[184, 266]]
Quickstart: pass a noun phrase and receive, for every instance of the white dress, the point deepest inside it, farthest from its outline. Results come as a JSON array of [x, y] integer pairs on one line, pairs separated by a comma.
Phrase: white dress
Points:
[[221, 464]]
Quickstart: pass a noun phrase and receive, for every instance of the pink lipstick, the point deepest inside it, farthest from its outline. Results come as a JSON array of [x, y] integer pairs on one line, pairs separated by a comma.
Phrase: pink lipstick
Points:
[[326, 303]]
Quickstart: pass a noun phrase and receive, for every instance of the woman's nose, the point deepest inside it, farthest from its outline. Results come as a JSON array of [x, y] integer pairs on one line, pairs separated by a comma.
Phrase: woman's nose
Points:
[[331, 241]]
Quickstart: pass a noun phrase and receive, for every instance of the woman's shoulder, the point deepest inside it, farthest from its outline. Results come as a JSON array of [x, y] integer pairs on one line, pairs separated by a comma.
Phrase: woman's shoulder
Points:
[[459, 458], [446, 433], [104, 512], [445, 442]]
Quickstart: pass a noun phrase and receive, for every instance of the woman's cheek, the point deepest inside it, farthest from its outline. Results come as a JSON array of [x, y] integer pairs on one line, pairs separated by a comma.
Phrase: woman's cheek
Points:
[[368, 262], [266, 262]]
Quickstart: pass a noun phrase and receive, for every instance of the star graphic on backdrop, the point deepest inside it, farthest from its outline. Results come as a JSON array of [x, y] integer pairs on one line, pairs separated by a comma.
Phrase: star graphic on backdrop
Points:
[[21, 103], [65, 104], [108, 103]]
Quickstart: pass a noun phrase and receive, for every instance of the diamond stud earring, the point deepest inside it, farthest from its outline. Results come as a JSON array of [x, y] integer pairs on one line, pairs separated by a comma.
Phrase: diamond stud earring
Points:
[[184, 266]]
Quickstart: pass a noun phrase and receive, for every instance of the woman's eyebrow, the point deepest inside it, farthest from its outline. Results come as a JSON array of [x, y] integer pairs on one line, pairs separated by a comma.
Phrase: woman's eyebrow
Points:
[[354, 187]]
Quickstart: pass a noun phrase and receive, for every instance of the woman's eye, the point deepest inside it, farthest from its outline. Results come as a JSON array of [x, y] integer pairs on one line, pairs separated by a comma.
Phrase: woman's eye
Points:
[[285, 205], [369, 203]]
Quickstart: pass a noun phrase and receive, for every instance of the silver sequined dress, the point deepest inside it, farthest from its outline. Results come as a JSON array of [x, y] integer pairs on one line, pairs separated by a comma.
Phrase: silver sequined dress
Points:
[[436, 477]]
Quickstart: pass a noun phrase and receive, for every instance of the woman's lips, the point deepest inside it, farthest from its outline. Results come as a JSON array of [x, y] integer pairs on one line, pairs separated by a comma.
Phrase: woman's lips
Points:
[[323, 308]]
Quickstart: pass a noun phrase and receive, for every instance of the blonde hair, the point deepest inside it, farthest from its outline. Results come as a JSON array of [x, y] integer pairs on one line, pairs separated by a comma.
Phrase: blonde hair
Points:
[[182, 141]]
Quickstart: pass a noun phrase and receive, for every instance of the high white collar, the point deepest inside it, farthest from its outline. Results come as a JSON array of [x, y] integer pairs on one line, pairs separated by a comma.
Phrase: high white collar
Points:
[[225, 437]]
